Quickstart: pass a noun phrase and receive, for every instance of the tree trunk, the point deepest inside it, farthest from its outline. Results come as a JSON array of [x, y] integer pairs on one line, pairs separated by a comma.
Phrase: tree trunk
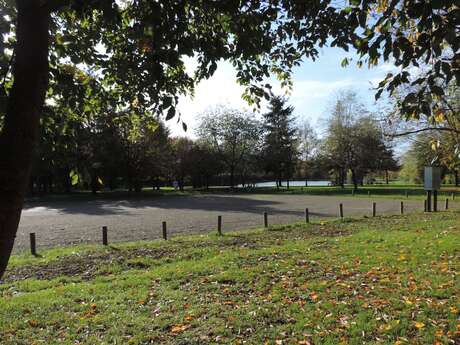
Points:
[[387, 178], [354, 179], [456, 178], [19, 136], [232, 177]]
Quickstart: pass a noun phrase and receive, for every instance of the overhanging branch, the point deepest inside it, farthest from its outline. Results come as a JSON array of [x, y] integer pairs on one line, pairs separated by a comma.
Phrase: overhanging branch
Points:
[[445, 129]]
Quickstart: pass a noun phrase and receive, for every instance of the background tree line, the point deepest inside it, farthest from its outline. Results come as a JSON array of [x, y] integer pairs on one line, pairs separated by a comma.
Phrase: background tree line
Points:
[[122, 149]]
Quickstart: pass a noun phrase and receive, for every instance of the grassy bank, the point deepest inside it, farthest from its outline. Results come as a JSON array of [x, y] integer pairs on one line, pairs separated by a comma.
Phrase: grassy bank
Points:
[[392, 280]]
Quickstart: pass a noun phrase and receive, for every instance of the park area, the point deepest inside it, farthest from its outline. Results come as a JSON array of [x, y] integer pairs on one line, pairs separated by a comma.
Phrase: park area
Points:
[[197, 172], [387, 279]]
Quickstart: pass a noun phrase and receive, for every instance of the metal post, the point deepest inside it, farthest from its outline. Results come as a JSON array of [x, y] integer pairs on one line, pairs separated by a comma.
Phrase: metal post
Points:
[[33, 247], [307, 216], [265, 219], [428, 201], [402, 207], [105, 241], [425, 208], [165, 231], [341, 210], [219, 225], [435, 201], [374, 209], [447, 204]]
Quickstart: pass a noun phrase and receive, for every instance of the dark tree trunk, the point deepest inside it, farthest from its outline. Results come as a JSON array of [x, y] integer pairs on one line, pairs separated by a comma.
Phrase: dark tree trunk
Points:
[[387, 177], [354, 179], [456, 178], [19, 136], [232, 177]]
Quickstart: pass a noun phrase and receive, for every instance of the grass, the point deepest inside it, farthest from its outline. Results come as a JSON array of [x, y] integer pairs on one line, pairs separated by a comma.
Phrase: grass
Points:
[[389, 280], [391, 191]]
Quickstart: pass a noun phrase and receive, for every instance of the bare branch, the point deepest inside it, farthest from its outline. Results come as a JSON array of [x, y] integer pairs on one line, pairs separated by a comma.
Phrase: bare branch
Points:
[[445, 129]]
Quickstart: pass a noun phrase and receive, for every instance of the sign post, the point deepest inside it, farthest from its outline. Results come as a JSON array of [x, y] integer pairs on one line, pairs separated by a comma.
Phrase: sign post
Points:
[[432, 183]]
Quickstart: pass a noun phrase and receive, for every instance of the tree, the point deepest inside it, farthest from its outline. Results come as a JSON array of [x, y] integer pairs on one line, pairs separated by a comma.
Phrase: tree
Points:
[[232, 133], [308, 147], [354, 142], [206, 164], [279, 150], [182, 159]]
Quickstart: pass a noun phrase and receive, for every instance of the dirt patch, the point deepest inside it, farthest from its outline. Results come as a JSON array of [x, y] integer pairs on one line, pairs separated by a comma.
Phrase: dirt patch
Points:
[[89, 265]]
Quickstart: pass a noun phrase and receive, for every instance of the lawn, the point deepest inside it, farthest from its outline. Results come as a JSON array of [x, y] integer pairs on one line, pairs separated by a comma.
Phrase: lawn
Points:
[[389, 280]]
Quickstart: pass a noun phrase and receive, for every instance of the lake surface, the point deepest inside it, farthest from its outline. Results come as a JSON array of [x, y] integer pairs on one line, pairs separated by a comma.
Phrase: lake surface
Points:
[[295, 183]]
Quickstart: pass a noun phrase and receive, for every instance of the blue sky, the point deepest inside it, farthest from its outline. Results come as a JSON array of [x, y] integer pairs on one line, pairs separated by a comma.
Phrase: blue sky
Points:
[[315, 84]]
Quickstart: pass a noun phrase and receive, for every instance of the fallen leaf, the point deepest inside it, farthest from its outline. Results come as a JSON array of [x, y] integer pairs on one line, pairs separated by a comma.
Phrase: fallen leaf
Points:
[[179, 328], [419, 325]]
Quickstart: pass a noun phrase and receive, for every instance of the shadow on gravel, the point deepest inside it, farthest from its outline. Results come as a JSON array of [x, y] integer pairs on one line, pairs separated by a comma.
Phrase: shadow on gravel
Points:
[[217, 203]]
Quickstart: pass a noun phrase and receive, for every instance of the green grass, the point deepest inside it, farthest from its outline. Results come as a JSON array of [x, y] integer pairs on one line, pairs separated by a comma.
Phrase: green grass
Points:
[[390, 191], [389, 280]]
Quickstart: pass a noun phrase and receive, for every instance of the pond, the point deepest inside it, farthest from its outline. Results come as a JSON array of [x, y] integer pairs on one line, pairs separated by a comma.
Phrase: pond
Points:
[[295, 183]]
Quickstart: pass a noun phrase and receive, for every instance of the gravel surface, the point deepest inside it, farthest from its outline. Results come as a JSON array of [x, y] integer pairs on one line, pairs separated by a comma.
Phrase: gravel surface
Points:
[[68, 222]]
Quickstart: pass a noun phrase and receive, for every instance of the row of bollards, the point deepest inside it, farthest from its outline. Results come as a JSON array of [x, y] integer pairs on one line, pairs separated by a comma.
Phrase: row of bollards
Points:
[[105, 241]]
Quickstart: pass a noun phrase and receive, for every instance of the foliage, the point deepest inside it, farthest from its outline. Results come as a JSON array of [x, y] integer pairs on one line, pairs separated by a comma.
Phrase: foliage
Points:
[[354, 142], [410, 34], [233, 134], [279, 150]]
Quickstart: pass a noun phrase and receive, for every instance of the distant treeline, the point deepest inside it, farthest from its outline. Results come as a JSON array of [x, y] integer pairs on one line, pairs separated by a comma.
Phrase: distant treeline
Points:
[[125, 150]]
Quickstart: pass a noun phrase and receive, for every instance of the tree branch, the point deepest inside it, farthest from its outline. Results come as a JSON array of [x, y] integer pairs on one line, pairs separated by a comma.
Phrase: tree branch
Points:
[[395, 135]]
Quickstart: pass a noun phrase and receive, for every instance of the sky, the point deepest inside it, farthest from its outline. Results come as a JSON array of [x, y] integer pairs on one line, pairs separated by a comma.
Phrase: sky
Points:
[[315, 84]]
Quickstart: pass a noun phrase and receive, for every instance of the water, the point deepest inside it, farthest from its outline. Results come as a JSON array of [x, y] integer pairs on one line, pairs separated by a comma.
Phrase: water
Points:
[[295, 183]]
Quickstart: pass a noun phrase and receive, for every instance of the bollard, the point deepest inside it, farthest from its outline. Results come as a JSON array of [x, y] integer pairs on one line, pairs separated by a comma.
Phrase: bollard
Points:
[[33, 247], [105, 241], [265, 219], [435, 201], [401, 208], [374, 209], [307, 216], [424, 206], [165, 231], [341, 210], [219, 225], [447, 204]]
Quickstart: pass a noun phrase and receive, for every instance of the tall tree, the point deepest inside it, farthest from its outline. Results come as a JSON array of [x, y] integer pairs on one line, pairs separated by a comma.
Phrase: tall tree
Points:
[[233, 134], [308, 147], [279, 150], [354, 142]]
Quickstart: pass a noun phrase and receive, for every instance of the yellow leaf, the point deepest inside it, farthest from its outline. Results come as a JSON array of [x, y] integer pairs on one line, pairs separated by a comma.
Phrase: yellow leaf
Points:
[[419, 325], [453, 310], [179, 328]]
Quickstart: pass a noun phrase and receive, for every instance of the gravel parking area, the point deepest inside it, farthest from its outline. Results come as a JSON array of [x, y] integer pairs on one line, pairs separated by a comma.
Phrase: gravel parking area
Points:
[[68, 222]]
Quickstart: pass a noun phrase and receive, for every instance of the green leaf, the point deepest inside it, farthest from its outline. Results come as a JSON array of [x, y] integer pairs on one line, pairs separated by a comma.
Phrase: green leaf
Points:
[[74, 178]]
